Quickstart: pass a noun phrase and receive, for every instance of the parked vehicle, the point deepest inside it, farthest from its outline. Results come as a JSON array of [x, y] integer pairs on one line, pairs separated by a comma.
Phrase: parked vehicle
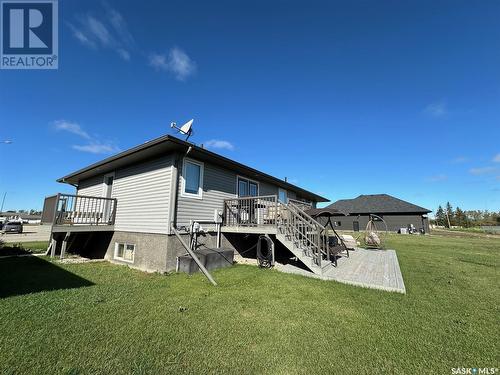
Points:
[[13, 227]]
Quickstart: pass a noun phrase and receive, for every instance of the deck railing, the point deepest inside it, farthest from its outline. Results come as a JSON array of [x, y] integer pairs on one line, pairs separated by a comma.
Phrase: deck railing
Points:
[[251, 211], [301, 204], [68, 209]]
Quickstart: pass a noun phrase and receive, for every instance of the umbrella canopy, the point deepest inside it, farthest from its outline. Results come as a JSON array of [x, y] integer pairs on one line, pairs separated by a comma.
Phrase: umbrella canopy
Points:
[[323, 212]]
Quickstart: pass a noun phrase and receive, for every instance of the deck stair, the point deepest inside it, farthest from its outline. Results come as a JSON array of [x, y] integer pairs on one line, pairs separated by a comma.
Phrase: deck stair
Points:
[[304, 237]]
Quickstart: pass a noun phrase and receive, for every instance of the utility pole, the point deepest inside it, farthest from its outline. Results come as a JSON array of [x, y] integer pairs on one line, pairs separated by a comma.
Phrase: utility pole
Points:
[[3, 201], [448, 218]]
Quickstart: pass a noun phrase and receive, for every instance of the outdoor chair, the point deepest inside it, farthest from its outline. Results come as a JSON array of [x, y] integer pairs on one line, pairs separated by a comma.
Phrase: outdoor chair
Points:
[[336, 248]]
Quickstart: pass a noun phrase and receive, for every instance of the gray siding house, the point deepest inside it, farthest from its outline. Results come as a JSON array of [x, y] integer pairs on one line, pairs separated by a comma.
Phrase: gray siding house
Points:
[[395, 212], [127, 205]]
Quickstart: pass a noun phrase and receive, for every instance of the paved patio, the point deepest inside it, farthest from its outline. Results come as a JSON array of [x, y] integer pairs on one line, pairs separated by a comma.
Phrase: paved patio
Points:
[[376, 269]]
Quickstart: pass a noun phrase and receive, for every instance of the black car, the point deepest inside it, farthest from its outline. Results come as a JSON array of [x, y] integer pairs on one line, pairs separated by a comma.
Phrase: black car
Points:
[[13, 227]]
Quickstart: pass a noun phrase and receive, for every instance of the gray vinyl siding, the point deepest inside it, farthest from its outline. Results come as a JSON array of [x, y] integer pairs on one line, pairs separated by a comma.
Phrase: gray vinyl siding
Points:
[[143, 194], [92, 186], [218, 184], [267, 189]]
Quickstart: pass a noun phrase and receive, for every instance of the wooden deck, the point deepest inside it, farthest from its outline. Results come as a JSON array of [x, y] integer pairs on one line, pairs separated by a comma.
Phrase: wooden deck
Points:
[[376, 269], [82, 228], [259, 229]]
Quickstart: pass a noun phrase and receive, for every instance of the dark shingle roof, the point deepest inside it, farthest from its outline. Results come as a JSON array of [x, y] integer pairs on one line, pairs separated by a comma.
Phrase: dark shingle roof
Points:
[[376, 204]]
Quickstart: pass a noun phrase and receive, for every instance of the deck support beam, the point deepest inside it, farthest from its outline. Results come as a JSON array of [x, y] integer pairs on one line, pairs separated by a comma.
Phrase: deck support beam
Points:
[[53, 246], [64, 244]]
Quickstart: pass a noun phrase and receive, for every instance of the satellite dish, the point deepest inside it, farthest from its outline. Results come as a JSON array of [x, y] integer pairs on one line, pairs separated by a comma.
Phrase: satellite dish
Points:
[[186, 129]]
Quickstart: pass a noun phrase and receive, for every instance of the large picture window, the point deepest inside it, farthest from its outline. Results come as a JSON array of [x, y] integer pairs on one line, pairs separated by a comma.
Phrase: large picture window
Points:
[[192, 179], [247, 188]]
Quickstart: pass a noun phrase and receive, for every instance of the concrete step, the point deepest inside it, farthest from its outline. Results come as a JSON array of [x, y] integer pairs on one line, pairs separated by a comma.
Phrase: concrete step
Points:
[[210, 258]]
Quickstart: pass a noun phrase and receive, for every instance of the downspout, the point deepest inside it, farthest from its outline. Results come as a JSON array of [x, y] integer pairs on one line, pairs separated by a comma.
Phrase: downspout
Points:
[[175, 190]]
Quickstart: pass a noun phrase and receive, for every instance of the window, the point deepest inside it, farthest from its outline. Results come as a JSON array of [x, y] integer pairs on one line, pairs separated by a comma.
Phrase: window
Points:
[[247, 188], [282, 195], [192, 179], [125, 252], [254, 189]]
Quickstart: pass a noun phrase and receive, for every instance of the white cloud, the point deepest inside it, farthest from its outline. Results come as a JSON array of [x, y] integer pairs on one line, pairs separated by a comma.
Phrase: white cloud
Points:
[[438, 178], [158, 61], [78, 34], [93, 145], [119, 24], [220, 144], [496, 158], [124, 54], [177, 62], [99, 31], [97, 148], [437, 110], [71, 127], [482, 170], [108, 32]]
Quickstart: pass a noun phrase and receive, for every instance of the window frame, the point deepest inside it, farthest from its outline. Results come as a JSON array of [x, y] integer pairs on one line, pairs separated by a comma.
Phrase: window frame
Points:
[[249, 181], [185, 193], [125, 244]]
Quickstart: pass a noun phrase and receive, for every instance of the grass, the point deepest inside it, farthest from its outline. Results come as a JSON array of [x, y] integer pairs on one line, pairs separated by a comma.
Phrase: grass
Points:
[[99, 318], [36, 247]]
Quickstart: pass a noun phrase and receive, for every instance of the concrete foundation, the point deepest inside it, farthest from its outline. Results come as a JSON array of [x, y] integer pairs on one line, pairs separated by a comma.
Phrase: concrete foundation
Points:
[[158, 252]]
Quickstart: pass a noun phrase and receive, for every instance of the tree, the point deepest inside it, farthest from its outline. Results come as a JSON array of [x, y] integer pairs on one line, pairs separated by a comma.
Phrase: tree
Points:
[[460, 218], [440, 216], [450, 217]]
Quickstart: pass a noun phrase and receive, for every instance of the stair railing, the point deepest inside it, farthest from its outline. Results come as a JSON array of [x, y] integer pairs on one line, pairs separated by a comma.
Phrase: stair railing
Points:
[[304, 231]]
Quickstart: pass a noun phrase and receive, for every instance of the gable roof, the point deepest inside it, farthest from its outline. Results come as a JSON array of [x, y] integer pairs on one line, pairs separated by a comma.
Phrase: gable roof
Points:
[[377, 204], [168, 144]]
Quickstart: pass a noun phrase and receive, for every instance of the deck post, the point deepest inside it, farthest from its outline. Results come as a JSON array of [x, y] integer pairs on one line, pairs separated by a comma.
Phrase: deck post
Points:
[[53, 247], [64, 244]]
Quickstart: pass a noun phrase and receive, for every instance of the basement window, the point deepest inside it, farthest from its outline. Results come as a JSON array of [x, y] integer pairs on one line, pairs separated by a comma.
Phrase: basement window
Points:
[[124, 252]]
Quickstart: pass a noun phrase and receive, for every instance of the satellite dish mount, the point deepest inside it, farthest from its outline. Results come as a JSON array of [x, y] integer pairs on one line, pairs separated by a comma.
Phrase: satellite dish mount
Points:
[[186, 129]]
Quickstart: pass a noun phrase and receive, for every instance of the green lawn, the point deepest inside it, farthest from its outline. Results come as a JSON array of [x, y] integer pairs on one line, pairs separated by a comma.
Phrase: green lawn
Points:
[[35, 247], [100, 318]]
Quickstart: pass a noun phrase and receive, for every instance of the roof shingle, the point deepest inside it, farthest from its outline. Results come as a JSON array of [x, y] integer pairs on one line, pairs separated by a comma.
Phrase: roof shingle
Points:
[[376, 204]]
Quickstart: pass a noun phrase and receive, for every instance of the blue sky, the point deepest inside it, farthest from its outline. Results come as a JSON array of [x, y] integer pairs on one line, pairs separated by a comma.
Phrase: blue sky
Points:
[[342, 98]]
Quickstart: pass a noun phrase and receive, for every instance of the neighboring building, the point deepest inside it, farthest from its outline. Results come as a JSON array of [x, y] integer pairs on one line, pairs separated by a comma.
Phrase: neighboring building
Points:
[[396, 213], [25, 218], [129, 203]]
